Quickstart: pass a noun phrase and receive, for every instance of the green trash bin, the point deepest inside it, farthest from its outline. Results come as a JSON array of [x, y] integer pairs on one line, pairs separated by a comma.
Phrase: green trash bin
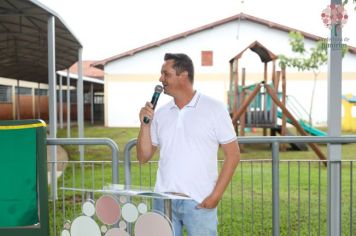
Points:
[[23, 178]]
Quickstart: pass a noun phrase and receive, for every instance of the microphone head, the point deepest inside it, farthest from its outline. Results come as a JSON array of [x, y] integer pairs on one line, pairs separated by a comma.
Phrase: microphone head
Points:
[[158, 89]]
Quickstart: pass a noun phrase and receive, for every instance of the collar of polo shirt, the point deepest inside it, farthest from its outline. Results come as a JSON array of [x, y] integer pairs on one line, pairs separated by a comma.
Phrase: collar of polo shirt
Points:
[[193, 103]]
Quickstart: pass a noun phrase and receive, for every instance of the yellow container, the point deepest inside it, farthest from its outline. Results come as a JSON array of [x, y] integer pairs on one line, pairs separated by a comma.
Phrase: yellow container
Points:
[[349, 113]]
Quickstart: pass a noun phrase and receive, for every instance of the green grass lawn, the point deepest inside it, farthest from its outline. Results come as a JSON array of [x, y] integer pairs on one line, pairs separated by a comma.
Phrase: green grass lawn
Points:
[[247, 204]]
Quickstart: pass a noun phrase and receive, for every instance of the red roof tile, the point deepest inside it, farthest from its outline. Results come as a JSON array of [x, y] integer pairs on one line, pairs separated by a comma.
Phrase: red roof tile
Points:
[[242, 16], [88, 70]]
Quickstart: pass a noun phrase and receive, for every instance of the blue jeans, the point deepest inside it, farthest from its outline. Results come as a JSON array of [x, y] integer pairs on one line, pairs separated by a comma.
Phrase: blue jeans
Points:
[[198, 222]]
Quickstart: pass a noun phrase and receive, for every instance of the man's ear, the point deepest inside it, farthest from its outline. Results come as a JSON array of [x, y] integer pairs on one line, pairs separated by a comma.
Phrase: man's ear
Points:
[[184, 73]]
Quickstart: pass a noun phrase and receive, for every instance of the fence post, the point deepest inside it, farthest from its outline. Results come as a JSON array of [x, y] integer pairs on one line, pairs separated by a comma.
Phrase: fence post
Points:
[[275, 188], [127, 161]]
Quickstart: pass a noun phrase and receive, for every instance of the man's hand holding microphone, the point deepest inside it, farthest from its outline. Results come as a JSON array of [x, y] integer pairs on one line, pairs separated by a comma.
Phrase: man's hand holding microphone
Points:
[[146, 113], [145, 149]]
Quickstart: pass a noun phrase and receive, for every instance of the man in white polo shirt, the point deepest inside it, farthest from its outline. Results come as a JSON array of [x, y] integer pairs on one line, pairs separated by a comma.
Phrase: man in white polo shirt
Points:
[[188, 131]]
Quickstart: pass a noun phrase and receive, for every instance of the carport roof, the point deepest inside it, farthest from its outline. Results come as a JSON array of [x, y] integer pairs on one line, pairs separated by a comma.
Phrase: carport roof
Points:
[[23, 41]]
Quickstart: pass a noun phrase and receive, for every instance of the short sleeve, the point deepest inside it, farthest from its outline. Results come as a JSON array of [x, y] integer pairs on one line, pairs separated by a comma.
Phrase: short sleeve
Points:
[[154, 132], [224, 129]]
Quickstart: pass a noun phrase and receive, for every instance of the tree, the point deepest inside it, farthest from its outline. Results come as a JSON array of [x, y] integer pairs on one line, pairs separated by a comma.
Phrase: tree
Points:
[[306, 60], [346, 1]]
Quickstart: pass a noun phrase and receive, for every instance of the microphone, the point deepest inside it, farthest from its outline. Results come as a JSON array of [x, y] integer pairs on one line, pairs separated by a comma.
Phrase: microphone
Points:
[[154, 100]]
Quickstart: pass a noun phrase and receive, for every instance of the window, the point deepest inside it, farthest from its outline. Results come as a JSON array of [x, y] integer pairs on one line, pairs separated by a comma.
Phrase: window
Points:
[[99, 99], [41, 92], [64, 95], [207, 58], [72, 96], [5, 94], [23, 90], [87, 98]]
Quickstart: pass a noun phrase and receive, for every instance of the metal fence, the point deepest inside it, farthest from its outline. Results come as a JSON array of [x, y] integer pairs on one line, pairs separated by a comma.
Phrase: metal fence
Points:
[[80, 175], [265, 197]]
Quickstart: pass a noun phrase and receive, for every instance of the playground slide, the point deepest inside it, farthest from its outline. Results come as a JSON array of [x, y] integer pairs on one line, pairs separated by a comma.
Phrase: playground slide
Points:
[[307, 128], [311, 130], [294, 146]]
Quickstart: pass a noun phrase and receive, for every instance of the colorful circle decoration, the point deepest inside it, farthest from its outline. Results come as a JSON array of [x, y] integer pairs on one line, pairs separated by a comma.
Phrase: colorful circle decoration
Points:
[[108, 210], [88, 208], [129, 212], [84, 225], [122, 225], [67, 225], [142, 208], [123, 199], [152, 223], [334, 15], [104, 228]]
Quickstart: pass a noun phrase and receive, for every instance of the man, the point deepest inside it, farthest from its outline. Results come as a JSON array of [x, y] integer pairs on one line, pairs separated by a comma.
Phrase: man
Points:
[[188, 131]]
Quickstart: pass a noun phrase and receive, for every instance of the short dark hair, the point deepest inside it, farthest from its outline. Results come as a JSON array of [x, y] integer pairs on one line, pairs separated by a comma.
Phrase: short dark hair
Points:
[[182, 63]]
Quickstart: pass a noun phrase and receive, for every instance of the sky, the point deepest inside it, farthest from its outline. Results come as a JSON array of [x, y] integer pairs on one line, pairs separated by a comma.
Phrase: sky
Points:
[[109, 27]]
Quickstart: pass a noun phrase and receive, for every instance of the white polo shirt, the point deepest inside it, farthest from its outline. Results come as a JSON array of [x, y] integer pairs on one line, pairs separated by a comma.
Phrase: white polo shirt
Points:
[[188, 140]]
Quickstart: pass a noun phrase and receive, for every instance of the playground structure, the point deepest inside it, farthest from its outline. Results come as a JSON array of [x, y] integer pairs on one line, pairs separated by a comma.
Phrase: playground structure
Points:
[[349, 117], [260, 105]]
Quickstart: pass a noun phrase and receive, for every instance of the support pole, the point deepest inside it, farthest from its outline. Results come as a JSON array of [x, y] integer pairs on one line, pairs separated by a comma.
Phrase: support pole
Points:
[[334, 128], [80, 110], [60, 102], [92, 103], [13, 99], [33, 103], [284, 102], [80, 103], [52, 101], [39, 101], [18, 101], [265, 115], [275, 190], [242, 99], [68, 104]]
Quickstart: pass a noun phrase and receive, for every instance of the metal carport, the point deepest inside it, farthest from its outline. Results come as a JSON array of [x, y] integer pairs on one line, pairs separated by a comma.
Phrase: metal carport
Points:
[[35, 43]]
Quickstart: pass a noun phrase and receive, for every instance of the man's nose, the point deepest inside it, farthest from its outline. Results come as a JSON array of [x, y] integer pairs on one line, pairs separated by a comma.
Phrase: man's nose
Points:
[[161, 78]]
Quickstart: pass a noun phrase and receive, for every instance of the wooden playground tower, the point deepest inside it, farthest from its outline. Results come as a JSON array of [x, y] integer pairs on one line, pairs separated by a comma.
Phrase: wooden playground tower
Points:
[[255, 106]]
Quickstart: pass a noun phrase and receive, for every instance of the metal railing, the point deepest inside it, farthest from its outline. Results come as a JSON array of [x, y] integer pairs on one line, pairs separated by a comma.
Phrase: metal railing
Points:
[[265, 197], [86, 168], [307, 213], [93, 141]]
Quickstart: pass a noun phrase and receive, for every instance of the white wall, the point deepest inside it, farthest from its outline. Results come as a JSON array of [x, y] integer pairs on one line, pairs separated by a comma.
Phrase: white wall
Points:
[[127, 98], [225, 41]]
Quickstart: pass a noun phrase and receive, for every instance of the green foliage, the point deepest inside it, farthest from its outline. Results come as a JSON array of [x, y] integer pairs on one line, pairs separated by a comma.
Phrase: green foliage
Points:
[[297, 42], [305, 59], [346, 1]]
